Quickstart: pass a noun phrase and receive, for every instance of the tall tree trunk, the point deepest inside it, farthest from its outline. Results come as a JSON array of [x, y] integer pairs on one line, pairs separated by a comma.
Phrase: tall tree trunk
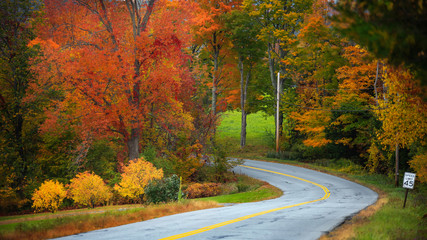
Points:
[[133, 144], [271, 66], [283, 72], [243, 90], [214, 99], [22, 167], [274, 84], [243, 130], [215, 81], [138, 26], [375, 84], [396, 173]]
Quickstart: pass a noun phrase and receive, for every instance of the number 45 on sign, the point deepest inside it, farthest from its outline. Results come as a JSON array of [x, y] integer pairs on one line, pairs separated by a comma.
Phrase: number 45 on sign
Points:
[[408, 183], [409, 180]]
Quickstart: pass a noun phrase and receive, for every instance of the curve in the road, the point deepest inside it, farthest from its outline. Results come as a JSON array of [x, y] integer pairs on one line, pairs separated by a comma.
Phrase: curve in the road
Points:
[[208, 228], [313, 203]]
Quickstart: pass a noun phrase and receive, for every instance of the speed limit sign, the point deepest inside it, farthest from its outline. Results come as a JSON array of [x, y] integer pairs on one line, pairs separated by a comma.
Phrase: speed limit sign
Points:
[[409, 180]]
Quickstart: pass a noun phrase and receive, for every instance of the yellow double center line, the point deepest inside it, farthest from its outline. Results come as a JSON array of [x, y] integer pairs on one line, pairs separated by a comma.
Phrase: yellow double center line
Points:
[[208, 228]]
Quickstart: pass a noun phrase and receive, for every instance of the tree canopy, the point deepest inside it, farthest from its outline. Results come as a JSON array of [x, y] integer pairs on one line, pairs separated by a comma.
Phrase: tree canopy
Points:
[[88, 89]]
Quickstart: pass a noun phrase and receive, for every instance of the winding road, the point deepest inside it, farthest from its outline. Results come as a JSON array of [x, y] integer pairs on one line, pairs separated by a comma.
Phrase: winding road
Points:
[[313, 203]]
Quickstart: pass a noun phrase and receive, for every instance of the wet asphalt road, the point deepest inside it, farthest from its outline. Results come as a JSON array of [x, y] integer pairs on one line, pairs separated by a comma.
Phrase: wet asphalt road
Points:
[[313, 203]]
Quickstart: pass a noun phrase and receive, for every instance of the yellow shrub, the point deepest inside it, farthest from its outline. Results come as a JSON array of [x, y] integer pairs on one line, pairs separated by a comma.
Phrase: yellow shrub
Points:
[[135, 177], [88, 189], [377, 161], [49, 196]]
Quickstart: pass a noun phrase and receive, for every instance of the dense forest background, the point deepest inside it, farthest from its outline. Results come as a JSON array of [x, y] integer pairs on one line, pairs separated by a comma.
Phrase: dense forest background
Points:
[[92, 87]]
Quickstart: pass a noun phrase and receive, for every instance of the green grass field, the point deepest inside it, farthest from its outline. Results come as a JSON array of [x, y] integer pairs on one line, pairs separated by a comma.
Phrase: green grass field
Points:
[[259, 130]]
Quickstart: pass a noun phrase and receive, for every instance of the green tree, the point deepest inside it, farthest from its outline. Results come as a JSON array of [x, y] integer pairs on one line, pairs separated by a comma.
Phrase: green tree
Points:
[[318, 53], [19, 116], [101, 159], [280, 22], [243, 33]]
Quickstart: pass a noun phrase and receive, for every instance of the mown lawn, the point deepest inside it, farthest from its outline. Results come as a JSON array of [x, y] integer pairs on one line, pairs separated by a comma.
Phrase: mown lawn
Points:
[[262, 193], [259, 133]]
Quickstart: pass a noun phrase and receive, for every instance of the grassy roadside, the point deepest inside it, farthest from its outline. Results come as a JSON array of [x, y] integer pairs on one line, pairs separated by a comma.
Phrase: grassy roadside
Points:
[[38, 216], [262, 193], [392, 221], [59, 225]]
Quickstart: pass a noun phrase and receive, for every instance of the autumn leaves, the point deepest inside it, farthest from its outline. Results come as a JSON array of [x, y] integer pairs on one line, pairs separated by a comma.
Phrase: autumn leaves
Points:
[[88, 189], [121, 66], [90, 85]]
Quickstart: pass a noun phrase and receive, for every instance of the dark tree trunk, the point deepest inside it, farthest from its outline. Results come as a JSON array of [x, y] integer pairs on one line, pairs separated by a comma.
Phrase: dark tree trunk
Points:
[[133, 144], [215, 79], [396, 173], [243, 91]]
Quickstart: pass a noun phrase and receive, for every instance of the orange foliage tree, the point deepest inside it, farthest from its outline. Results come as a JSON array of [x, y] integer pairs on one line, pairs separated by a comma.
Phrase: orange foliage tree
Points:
[[313, 124], [311, 64], [336, 100], [135, 177], [88, 189], [210, 32], [120, 66], [49, 196], [354, 121]]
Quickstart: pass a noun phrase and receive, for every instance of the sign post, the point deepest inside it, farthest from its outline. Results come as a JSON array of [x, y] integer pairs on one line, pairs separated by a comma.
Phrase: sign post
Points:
[[408, 183]]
